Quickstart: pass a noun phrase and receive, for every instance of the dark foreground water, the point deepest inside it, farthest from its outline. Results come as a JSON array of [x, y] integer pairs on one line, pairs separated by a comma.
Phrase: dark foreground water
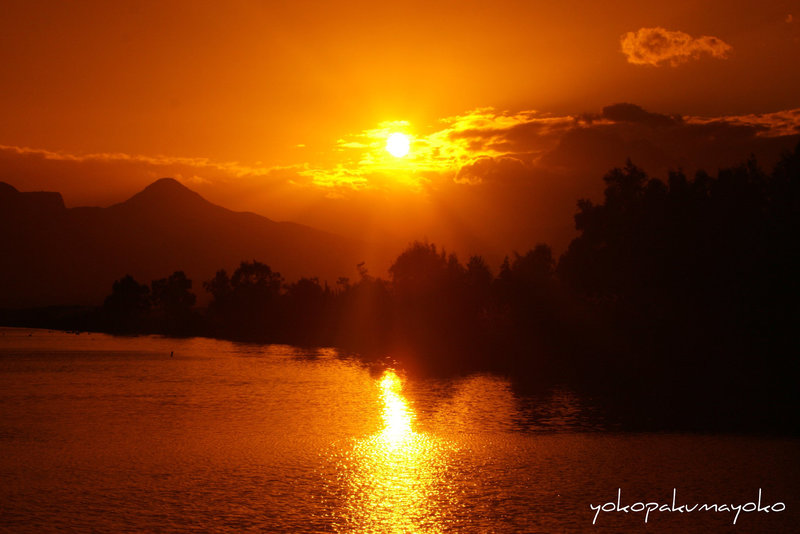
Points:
[[112, 434]]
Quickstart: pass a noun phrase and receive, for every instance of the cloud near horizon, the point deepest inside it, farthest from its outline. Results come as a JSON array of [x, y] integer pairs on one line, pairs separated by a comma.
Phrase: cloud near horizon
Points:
[[659, 46]]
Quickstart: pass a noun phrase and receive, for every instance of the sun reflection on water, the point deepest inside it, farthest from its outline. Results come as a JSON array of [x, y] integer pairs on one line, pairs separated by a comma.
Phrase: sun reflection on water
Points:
[[397, 417], [396, 476]]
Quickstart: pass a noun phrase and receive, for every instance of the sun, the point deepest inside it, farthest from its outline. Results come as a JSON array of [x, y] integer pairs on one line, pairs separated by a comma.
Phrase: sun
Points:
[[398, 145]]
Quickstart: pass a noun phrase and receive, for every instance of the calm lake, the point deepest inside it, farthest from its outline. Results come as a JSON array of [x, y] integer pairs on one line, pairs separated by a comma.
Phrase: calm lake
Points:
[[110, 434]]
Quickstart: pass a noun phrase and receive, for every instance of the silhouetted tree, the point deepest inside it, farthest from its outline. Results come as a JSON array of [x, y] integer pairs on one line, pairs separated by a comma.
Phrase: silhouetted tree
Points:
[[247, 304], [306, 302], [419, 272], [363, 312], [127, 304], [435, 307], [256, 280], [479, 278], [173, 297], [221, 292], [696, 275]]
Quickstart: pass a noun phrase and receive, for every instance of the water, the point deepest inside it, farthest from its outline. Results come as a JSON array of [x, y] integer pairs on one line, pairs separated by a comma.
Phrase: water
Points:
[[113, 435]]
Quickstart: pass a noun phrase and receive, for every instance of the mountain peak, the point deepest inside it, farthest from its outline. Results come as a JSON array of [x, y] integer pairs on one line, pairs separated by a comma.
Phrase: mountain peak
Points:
[[167, 184], [165, 192]]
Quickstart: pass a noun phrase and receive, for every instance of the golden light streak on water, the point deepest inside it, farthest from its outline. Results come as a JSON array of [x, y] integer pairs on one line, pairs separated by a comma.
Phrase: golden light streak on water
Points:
[[397, 482], [397, 417]]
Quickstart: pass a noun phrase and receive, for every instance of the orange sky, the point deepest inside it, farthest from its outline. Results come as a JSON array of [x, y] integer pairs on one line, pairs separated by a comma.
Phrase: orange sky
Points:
[[282, 107]]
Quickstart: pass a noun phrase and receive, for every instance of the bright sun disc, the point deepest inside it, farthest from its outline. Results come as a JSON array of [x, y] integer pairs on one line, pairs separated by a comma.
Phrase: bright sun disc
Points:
[[398, 144]]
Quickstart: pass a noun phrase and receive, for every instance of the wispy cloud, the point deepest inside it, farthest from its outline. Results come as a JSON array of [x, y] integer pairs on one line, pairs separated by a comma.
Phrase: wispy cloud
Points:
[[777, 124], [659, 46], [230, 168]]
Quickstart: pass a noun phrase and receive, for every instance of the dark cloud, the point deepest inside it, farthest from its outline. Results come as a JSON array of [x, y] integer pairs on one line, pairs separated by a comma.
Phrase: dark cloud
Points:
[[531, 201], [588, 148], [486, 168], [625, 112], [660, 146], [519, 138]]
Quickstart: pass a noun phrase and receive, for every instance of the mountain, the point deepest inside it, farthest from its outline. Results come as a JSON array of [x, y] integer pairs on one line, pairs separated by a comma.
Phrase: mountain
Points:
[[53, 255]]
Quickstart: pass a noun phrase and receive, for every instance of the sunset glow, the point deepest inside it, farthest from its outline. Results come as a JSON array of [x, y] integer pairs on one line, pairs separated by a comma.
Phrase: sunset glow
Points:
[[390, 135], [390, 267]]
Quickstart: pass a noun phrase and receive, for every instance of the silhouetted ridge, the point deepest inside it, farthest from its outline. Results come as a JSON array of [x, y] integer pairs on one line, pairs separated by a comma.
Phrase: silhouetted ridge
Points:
[[55, 255], [7, 189], [13, 201]]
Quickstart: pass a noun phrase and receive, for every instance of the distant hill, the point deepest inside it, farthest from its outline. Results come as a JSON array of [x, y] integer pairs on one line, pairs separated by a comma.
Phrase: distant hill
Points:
[[53, 255]]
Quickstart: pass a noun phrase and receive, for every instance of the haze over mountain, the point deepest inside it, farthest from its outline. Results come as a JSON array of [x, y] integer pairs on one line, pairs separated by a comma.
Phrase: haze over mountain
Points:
[[57, 255]]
